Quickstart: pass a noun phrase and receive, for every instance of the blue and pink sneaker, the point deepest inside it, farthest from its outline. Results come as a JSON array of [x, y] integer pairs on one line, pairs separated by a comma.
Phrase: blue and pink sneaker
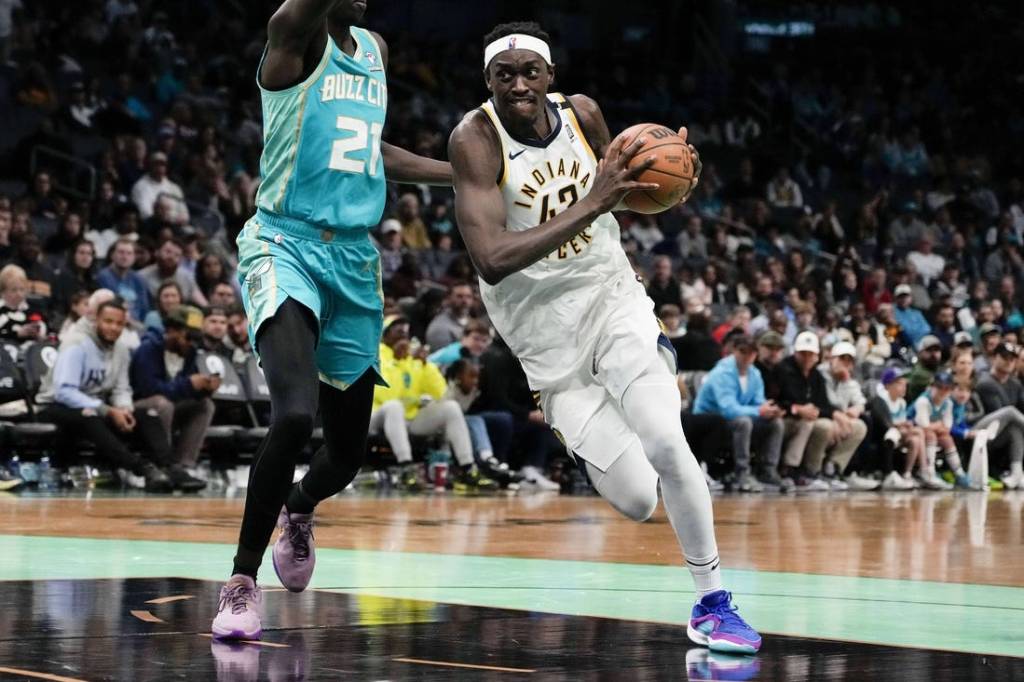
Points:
[[715, 624]]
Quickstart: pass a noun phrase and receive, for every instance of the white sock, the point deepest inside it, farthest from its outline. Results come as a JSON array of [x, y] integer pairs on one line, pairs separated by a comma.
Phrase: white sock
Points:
[[931, 452], [707, 574], [1016, 469], [953, 460]]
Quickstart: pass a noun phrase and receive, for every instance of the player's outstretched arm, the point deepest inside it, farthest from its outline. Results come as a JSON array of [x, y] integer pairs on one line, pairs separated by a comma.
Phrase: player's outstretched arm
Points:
[[401, 165], [296, 36], [480, 207]]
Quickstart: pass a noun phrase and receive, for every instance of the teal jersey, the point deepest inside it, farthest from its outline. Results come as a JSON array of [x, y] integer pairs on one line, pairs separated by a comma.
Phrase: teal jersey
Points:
[[321, 141]]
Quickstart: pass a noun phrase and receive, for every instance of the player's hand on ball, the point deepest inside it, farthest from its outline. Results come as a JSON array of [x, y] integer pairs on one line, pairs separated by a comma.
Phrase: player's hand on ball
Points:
[[697, 165], [614, 178]]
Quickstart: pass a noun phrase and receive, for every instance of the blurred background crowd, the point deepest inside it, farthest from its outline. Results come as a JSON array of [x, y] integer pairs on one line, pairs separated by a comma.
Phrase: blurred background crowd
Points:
[[855, 243]]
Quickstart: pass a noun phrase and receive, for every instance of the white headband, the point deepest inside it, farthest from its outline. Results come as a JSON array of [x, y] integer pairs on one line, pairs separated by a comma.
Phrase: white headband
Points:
[[517, 41]]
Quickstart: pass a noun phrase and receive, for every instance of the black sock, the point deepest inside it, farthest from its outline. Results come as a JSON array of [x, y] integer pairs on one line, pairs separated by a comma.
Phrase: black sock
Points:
[[298, 501], [247, 562]]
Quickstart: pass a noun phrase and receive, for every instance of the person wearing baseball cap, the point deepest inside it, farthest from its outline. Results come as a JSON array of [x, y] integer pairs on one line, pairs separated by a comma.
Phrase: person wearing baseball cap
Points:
[[734, 390], [963, 340], [989, 337], [933, 414], [808, 420], [912, 320], [1002, 396], [849, 403], [895, 432], [929, 359]]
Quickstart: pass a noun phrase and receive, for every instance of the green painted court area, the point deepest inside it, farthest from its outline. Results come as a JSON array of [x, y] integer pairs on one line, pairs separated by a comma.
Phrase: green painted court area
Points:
[[957, 617]]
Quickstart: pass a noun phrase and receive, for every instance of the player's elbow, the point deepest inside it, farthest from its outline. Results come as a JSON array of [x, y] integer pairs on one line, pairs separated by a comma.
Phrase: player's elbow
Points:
[[490, 273]]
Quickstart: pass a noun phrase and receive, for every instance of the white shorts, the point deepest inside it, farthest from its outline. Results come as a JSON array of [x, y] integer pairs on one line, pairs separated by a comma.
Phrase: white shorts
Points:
[[587, 412]]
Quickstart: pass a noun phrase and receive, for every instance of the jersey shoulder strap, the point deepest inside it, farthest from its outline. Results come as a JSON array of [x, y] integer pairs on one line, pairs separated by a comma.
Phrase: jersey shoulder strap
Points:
[[367, 45], [568, 111], [488, 109]]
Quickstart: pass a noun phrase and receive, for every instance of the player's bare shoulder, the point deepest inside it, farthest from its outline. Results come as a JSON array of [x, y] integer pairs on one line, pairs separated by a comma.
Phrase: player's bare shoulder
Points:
[[474, 145], [592, 121]]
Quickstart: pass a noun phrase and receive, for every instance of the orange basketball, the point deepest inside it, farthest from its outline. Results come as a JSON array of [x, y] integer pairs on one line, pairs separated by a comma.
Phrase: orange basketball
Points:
[[672, 170]]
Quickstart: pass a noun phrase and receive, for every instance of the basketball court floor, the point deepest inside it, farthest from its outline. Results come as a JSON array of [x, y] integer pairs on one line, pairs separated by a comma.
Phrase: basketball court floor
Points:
[[864, 586]]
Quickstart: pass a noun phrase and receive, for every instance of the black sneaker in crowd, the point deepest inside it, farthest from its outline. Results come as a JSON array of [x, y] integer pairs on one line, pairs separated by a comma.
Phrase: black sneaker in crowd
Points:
[[184, 481], [156, 480]]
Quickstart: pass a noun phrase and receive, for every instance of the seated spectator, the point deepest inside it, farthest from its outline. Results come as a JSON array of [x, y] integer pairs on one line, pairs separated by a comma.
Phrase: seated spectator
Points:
[[950, 286], [783, 192], [224, 295], [447, 327], [1002, 395], [672, 323], [168, 297], [126, 225], [435, 261], [392, 250], [771, 348], [910, 319], [414, 230], [215, 332], [944, 328], [76, 275], [20, 321], [413, 403], [989, 337], [697, 350], [738, 321], [476, 337], [906, 229], [209, 272], [168, 265], [238, 335], [155, 184], [929, 265], [39, 277], [933, 414], [76, 311], [57, 246], [663, 288], [120, 278], [693, 245], [87, 394], [166, 380], [490, 432], [895, 431], [929, 359], [734, 389], [848, 404], [646, 233]]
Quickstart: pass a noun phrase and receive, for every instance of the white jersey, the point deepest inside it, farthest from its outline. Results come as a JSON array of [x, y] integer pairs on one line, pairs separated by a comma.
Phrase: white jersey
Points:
[[552, 313]]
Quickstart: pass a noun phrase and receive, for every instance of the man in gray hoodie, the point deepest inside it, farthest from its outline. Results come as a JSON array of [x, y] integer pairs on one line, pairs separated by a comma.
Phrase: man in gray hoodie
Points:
[[87, 394]]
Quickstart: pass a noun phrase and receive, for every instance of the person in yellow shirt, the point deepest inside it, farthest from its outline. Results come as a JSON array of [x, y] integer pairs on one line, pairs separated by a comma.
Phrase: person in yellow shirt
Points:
[[413, 403]]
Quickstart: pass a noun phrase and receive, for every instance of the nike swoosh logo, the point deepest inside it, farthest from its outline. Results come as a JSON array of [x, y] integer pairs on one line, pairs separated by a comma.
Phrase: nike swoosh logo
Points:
[[512, 157]]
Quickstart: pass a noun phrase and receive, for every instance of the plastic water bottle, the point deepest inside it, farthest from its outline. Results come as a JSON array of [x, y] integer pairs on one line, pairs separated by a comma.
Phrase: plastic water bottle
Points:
[[29, 472], [49, 478]]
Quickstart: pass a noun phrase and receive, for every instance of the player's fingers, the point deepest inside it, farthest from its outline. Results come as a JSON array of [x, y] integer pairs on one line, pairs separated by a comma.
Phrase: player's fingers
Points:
[[635, 146], [614, 149], [635, 171], [635, 186], [683, 132]]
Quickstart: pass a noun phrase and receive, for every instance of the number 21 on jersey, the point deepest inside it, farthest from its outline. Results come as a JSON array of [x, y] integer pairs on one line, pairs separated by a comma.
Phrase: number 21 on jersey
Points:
[[356, 142]]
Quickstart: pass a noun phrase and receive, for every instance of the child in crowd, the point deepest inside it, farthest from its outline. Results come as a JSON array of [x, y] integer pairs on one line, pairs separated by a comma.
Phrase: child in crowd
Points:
[[889, 412], [933, 413]]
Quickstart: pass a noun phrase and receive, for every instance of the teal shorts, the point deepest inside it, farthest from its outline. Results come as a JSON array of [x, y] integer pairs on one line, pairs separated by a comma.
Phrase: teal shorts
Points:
[[334, 274]]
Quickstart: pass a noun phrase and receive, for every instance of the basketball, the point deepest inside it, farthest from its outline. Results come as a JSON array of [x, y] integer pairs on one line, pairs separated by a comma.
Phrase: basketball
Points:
[[672, 170]]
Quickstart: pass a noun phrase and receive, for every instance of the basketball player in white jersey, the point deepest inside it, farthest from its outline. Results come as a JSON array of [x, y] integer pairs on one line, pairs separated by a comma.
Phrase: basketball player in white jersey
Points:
[[536, 176]]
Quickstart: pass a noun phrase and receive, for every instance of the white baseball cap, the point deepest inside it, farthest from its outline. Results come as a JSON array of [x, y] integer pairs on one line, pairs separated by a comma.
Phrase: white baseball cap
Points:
[[390, 225], [903, 290], [806, 341], [844, 348]]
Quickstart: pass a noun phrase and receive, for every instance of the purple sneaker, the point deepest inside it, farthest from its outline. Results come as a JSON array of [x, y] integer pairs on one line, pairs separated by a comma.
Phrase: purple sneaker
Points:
[[715, 624], [294, 555], [238, 615]]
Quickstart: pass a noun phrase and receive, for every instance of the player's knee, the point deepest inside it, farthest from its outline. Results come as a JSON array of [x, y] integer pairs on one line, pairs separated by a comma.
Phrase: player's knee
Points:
[[637, 504], [666, 451], [295, 425]]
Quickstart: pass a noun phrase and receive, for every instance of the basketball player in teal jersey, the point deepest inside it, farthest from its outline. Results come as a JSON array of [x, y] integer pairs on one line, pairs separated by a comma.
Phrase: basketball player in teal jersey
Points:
[[311, 278], [536, 177]]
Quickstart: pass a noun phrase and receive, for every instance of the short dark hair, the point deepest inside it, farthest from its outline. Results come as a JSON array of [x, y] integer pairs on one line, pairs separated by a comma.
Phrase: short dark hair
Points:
[[458, 367], [528, 28], [116, 302], [743, 342], [476, 327]]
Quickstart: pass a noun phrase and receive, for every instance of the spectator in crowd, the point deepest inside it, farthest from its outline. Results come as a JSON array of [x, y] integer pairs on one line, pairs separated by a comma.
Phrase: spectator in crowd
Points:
[[224, 295], [783, 192], [989, 337], [646, 233], [906, 229], [215, 332], [928, 264], [87, 394], [168, 297], [447, 327], [697, 350], [693, 245], [19, 320], [945, 329], [1002, 396], [910, 319], [210, 271], [848, 404], [168, 266], [894, 430], [734, 389], [77, 308], [413, 403], [664, 287], [166, 380], [126, 225], [414, 230], [125, 282], [155, 184], [238, 335], [933, 414], [808, 415], [739, 321], [436, 261], [69, 231], [1006, 260], [76, 275], [929, 359], [38, 275], [392, 250], [950, 286], [476, 337]]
